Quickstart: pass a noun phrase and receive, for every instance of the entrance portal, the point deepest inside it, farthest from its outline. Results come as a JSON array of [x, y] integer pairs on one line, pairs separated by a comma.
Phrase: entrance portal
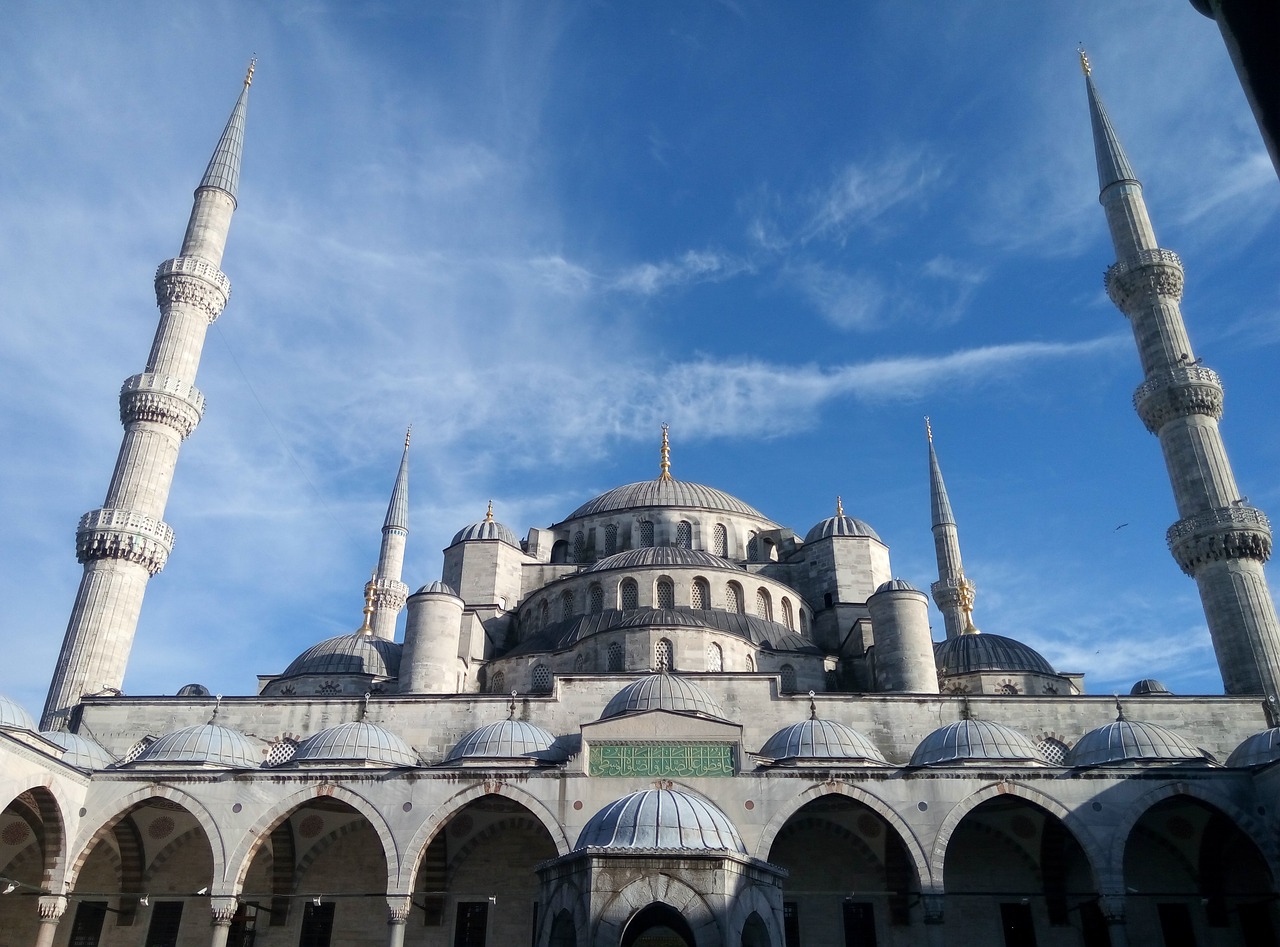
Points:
[[658, 925]]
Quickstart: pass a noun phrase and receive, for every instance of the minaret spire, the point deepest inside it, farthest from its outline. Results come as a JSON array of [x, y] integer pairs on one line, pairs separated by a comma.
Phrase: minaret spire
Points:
[[1220, 539], [665, 465], [953, 592], [388, 591], [126, 541]]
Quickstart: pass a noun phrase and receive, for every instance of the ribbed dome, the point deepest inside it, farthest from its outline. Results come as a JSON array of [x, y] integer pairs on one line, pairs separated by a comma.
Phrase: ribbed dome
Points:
[[974, 741], [349, 654], [193, 690], [839, 526], [14, 716], [820, 740], [356, 743], [208, 744], [1148, 685], [1131, 741], [81, 752], [662, 692], [665, 617], [966, 653], [1257, 750], [661, 819], [487, 529], [506, 739], [661, 557], [437, 588], [896, 585], [650, 493]]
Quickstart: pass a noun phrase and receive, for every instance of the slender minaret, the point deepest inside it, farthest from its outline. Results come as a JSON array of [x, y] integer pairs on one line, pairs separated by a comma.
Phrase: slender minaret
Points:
[[127, 541], [1220, 539], [388, 592], [953, 592]]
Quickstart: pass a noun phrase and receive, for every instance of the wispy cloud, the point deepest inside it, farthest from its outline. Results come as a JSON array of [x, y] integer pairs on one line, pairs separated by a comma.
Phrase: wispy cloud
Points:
[[692, 266]]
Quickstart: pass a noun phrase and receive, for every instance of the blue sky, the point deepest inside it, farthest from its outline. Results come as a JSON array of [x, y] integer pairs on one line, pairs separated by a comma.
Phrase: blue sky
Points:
[[536, 231]]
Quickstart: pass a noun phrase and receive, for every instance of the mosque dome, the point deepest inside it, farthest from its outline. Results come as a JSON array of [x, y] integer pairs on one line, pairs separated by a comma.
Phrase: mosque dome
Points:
[[965, 654], [1148, 686], [896, 585], [661, 557], [820, 740], [487, 528], [662, 617], [672, 493], [1257, 750], [661, 819], [506, 739], [358, 743], [839, 526], [437, 588], [81, 752], [193, 690], [357, 653], [975, 741], [13, 716], [207, 744], [663, 692], [1132, 741]]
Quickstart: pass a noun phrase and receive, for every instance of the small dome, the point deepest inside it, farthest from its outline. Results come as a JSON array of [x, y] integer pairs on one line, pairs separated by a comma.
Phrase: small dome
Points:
[[965, 654], [896, 585], [975, 741], [356, 743], [1131, 741], [349, 654], [661, 557], [651, 493], [486, 529], [506, 739], [13, 716], [437, 588], [1257, 750], [661, 819], [193, 690], [1148, 685], [663, 692], [820, 740], [839, 526], [207, 743], [664, 617], [81, 752]]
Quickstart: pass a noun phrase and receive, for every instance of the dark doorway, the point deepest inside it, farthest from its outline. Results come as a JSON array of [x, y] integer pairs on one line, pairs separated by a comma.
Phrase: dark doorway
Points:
[[166, 918], [1175, 925], [859, 924], [472, 924], [87, 926], [1019, 928], [317, 925], [658, 925]]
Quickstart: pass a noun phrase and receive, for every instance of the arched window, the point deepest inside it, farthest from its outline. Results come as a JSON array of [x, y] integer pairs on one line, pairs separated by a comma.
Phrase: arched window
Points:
[[610, 539], [629, 594], [753, 547], [646, 533], [498, 683], [715, 657], [544, 615], [666, 594], [701, 597], [580, 662], [684, 534], [663, 657], [764, 607], [770, 550], [788, 618], [721, 541], [832, 681], [541, 679], [616, 657], [1053, 750], [751, 664], [804, 622], [559, 551], [733, 598], [597, 599], [566, 604], [788, 679], [579, 547]]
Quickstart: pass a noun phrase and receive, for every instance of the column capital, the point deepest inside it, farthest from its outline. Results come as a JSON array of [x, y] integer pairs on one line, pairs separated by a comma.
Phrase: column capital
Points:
[[1112, 907], [933, 908], [223, 910], [52, 906], [398, 908]]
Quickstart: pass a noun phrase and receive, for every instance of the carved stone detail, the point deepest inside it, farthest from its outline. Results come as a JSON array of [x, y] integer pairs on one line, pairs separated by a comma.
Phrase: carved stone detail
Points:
[[164, 399], [1177, 393], [1227, 532], [51, 907], [223, 910], [1147, 272], [124, 534], [192, 281], [389, 593], [398, 910], [953, 592]]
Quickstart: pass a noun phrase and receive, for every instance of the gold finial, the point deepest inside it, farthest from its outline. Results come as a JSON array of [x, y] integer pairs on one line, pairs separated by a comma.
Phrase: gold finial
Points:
[[966, 592], [248, 76], [408, 433], [839, 507], [488, 516], [366, 626], [1084, 61], [666, 454], [928, 429]]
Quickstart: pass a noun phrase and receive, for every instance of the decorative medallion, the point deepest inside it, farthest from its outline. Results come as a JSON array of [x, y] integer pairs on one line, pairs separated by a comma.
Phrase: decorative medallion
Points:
[[311, 826], [161, 827]]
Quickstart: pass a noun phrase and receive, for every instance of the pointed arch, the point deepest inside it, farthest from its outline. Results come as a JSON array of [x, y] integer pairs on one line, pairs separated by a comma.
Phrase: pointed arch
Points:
[[653, 889], [52, 837]]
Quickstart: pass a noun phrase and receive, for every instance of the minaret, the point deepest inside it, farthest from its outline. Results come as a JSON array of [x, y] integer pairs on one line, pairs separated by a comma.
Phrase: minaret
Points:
[[389, 593], [1220, 540], [126, 541], [953, 592]]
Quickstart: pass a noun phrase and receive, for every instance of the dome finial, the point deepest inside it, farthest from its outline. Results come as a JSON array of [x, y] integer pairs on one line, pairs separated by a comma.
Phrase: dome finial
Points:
[[408, 433], [839, 507], [248, 76], [364, 705], [1119, 710], [666, 453], [488, 516], [928, 429], [217, 705], [511, 707], [1084, 61], [813, 707], [965, 712], [366, 626], [966, 592]]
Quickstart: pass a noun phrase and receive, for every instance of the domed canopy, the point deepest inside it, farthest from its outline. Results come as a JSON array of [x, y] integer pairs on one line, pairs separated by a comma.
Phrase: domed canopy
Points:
[[437, 588], [193, 690], [662, 557], [1131, 741], [359, 743], [839, 526], [206, 744], [349, 654], [662, 692], [486, 529], [1148, 685], [1257, 750], [975, 741], [965, 654], [81, 752], [506, 739], [896, 585], [14, 716], [820, 740], [661, 819], [677, 493]]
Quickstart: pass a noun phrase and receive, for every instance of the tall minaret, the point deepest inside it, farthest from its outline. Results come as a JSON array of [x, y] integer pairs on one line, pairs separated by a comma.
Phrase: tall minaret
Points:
[[1220, 539], [953, 592], [389, 593], [127, 541]]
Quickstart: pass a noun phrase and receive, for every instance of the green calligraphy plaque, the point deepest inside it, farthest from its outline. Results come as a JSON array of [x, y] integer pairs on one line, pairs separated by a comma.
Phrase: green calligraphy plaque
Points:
[[680, 760]]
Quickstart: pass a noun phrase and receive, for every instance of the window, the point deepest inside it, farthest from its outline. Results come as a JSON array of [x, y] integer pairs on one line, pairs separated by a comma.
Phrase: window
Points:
[[498, 683], [751, 664], [684, 534], [701, 595], [788, 679], [281, 752], [662, 655], [1054, 751], [646, 533], [753, 547], [666, 594], [616, 657], [166, 918], [579, 547], [630, 593], [597, 599], [715, 658], [791, 923], [541, 679], [1020, 929], [566, 604], [580, 663], [610, 539], [470, 926], [859, 924], [764, 607], [733, 597], [804, 622], [831, 681], [87, 926], [720, 539], [1008, 688], [788, 618], [544, 615]]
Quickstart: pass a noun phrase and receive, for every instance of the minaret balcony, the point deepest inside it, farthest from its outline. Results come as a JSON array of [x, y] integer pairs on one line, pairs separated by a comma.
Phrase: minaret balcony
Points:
[[126, 535], [1178, 393], [388, 593], [1147, 273], [164, 399], [951, 592], [192, 281], [1226, 532]]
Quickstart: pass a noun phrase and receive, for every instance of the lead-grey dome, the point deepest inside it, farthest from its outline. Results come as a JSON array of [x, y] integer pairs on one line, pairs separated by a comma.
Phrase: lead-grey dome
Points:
[[896, 585], [820, 740], [1132, 741], [662, 692], [651, 493], [964, 654], [207, 744], [839, 526], [662, 557], [1146, 686], [975, 741], [661, 819], [14, 716], [349, 654], [362, 743], [193, 690], [1257, 750], [662, 617], [487, 529], [81, 752], [506, 739], [437, 588]]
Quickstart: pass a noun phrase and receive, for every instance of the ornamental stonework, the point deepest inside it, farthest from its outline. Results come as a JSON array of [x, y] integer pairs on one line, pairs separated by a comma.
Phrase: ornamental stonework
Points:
[[193, 282], [953, 592], [681, 760], [389, 593], [1228, 532], [1178, 393], [1147, 273], [124, 535], [163, 399]]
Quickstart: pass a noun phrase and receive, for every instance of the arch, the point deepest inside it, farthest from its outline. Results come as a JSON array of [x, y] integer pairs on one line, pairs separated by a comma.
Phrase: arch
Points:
[[645, 529], [52, 834], [654, 915], [788, 616], [617, 657], [579, 547], [664, 655], [684, 534], [764, 604], [754, 932], [700, 593], [787, 682], [564, 932], [610, 539], [567, 901], [661, 889], [628, 594], [733, 598], [544, 614], [566, 604], [769, 550], [498, 683], [753, 546], [596, 597], [753, 902], [540, 679], [665, 593], [720, 541], [715, 657], [560, 551]]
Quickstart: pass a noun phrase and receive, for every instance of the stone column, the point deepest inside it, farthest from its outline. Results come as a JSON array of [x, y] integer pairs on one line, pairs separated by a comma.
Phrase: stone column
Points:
[[223, 910], [933, 919], [51, 909], [1112, 906], [397, 917]]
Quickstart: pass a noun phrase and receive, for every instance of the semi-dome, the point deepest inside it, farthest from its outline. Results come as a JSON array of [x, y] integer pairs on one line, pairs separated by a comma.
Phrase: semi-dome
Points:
[[1132, 741], [839, 526], [1257, 750], [661, 557], [896, 585], [975, 741], [965, 654], [662, 617], [661, 819], [81, 752], [358, 653], [677, 493], [14, 716], [1147, 686], [506, 739], [359, 743], [820, 740], [487, 529], [437, 588], [662, 692], [207, 744]]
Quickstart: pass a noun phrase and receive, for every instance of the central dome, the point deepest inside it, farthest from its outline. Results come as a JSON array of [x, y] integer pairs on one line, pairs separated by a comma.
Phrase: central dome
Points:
[[965, 654], [349, 654], [679, 493], [663, 692], [661, 557]]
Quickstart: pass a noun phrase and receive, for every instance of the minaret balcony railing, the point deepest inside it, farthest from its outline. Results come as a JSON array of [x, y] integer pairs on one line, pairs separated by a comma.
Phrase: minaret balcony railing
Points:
[[1178, 393], [388, 593], [193, 281], [124, 534], [1147, 272], [1226, 532], [165, 399]]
